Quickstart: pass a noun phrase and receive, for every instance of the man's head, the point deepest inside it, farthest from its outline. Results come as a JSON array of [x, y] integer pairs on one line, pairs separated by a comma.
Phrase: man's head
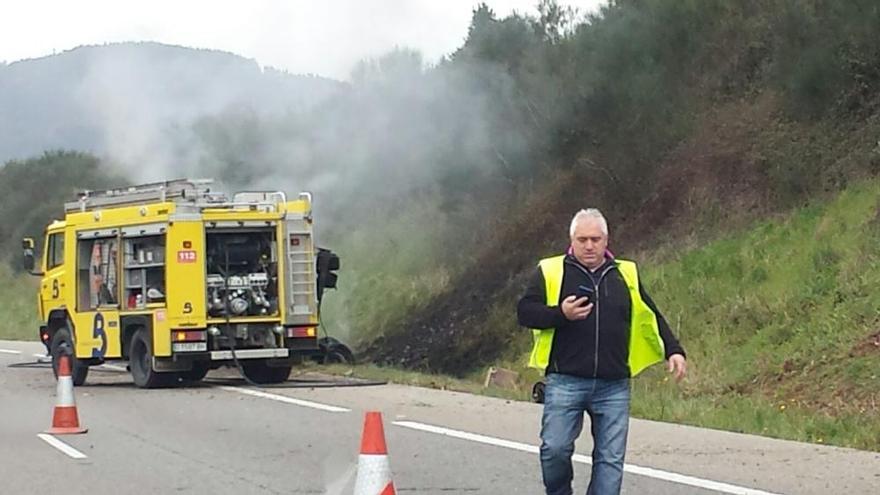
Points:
[[589, 237]]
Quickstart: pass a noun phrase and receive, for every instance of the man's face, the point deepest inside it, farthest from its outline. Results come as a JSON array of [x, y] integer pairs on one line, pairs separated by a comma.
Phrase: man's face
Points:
[[589, 243]]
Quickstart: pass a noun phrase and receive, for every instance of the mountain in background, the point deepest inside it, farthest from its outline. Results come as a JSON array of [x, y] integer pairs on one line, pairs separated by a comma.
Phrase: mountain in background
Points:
[[126, 100]]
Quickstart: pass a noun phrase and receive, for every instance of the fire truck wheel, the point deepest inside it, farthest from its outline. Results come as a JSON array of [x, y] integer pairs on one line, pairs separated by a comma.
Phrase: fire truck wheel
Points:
[[63, 344], [262, 373], [197, 373], [141, 363]]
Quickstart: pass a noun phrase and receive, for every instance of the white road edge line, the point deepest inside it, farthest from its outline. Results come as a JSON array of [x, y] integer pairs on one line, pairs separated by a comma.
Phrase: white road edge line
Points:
[[63, 447], [629, 468], [9, 351], [285, 399]]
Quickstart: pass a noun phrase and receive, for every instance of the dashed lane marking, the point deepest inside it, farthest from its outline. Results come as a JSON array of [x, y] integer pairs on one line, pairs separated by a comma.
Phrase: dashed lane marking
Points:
[[285, 399], [63, 447]]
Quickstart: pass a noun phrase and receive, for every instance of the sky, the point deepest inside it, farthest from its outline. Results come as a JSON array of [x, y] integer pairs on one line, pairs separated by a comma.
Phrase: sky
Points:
[[322, 37]]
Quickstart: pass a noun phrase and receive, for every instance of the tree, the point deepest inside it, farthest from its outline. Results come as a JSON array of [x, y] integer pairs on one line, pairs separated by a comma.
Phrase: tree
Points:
[[33, 193]]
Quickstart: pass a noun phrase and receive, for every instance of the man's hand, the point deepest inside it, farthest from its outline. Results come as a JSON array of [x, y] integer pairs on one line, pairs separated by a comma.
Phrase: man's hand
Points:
[[677, 365], [574, 309]]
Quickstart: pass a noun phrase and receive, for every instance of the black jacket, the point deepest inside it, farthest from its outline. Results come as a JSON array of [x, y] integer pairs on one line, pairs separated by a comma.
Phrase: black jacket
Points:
[[597, 347]]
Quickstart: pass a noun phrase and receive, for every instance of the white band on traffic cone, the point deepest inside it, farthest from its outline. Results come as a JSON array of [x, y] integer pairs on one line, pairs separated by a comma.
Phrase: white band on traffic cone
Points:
[[64, 391], [374, 475]]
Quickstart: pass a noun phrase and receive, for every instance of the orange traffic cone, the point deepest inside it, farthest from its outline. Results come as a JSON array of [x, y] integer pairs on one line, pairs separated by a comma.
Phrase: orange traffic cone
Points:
[[65, 420], [374, 473]]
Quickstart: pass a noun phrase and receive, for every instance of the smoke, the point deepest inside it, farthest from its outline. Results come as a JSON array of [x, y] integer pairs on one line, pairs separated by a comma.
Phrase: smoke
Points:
[[399, 128], [151, 105], [160, 112], [404, 159]]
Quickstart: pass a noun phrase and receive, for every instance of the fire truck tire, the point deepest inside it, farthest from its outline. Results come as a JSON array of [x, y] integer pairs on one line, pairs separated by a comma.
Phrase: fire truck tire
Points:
[[63, 344], [141, 363], [262, 373], [197, 373]]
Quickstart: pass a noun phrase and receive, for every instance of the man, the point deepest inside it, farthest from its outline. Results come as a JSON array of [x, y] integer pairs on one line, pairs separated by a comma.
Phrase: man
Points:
[[595, 327]]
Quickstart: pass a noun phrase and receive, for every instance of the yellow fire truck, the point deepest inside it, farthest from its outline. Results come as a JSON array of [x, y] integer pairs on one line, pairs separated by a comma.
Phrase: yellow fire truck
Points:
[[178, 279]]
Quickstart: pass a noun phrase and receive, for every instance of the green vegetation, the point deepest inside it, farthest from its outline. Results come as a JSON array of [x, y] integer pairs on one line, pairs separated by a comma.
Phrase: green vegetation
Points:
[[33, 192], [387, 272], [781, 326], [18, 309]]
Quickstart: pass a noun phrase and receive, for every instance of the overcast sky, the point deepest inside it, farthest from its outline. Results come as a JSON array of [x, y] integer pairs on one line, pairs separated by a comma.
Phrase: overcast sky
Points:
[[324, 37]]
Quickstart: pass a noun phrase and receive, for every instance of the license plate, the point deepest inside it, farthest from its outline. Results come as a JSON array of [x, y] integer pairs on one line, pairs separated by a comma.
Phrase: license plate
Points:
[[189, 346]]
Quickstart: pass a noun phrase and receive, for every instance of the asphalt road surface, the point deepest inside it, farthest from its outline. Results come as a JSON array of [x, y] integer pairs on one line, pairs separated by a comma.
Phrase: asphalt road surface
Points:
[[224, 437]]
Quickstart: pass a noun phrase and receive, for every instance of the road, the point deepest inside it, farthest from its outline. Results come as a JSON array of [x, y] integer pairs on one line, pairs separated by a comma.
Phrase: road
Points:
[[227, 438]]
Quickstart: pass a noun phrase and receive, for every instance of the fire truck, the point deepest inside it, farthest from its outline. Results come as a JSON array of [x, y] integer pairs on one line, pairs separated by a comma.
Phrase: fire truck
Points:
[[178, 279]]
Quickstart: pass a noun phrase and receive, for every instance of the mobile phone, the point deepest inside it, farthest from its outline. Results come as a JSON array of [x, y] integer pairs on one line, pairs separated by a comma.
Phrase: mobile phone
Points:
[[585, 291]]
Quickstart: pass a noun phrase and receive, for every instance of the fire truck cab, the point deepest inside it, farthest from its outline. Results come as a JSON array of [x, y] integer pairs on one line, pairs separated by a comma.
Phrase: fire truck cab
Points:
[[178, 279]]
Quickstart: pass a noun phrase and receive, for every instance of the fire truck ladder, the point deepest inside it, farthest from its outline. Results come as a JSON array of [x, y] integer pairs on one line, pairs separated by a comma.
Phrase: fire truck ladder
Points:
[[300, 262], [179, 191]]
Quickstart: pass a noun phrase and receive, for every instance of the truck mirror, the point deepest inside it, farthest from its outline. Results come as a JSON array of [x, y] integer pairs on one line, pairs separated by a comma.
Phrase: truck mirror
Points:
[[327, 262], [27, 246]]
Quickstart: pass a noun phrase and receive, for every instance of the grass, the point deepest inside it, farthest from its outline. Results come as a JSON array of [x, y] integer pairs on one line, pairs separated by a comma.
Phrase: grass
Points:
[[778, 322], [18, 305], [392, 264]]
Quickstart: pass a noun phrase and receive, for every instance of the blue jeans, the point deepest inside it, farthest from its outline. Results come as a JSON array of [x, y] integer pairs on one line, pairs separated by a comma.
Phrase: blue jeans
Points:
[[566, 397]]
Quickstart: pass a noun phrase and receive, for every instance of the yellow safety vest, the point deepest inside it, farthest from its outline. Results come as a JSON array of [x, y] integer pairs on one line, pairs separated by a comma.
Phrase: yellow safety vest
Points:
[[645, 345]]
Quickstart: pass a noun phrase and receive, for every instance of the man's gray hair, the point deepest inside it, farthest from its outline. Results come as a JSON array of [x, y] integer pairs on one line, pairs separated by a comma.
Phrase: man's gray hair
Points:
[[589, 213]]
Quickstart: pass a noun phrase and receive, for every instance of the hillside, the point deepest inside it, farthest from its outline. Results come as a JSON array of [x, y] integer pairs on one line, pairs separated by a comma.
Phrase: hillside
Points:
[[121, 99], [781, 324], [693, 139]]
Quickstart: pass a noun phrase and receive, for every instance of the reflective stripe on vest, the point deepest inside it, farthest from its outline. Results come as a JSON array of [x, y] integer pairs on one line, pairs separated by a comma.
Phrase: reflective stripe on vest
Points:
[[645, 344]]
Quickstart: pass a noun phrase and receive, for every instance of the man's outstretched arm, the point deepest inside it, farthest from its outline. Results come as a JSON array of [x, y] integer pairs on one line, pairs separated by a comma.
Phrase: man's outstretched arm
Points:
[[676, 361]]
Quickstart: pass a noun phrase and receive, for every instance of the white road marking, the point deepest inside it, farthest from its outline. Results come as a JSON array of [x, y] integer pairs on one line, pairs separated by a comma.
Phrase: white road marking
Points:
[[63, 447], [285, 399], [9, 351], [114, 367], [629, 468]]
